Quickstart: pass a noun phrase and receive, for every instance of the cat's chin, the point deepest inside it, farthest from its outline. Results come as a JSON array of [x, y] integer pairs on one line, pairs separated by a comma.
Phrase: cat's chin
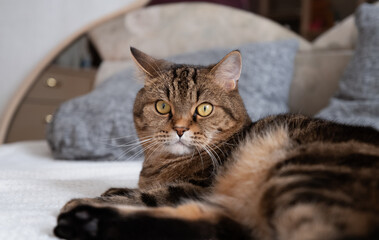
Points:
[[179, 148]]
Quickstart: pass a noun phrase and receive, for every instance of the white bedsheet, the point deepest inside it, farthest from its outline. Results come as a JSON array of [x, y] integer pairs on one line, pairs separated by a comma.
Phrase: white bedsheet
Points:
[[33, 187]]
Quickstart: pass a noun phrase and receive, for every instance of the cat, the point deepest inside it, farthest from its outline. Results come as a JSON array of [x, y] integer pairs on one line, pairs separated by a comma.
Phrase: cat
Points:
[[211, 173]]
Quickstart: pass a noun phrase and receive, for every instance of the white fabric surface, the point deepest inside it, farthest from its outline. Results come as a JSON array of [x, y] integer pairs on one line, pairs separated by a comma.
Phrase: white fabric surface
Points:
[[33, 187]]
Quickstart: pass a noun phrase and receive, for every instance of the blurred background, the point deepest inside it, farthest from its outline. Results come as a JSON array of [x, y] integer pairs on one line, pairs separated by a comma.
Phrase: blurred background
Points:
[[308, 18], [46, 45]]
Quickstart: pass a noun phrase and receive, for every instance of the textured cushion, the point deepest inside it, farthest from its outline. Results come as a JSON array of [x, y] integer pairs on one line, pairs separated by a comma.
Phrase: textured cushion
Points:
[[95, 125], [357, 100], [100, 125]]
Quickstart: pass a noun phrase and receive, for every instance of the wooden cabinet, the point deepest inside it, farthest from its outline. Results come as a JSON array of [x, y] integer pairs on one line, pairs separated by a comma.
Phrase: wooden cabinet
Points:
[[54, 86]]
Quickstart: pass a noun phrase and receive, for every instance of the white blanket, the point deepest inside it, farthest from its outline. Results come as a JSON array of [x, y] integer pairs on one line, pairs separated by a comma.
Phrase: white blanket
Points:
[[33, 187]]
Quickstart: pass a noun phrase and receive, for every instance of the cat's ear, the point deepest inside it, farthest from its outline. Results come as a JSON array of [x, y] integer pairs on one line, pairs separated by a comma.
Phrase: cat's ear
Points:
[[149, 65], [227, 72]]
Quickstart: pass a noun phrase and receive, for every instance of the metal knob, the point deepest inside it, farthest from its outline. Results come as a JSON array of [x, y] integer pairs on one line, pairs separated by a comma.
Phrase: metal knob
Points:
[[52, 82], [48, 118]]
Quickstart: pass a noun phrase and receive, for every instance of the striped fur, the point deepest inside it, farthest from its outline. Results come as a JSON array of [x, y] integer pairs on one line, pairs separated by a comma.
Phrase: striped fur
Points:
[[283, 177]]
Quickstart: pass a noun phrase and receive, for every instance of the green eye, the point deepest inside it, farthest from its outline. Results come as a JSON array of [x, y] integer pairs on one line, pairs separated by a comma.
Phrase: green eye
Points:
[[204, 109], [162, 107]]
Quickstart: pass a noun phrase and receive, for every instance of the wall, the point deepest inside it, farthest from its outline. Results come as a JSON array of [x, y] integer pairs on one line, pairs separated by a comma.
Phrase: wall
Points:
[[30, 30]]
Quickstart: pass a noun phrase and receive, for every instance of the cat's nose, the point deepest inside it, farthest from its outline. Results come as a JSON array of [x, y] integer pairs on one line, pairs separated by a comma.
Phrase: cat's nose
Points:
[[180, 130]]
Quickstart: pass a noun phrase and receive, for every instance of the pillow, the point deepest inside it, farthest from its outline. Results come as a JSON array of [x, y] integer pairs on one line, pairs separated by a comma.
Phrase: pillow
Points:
[[357, 100], [100, 125]]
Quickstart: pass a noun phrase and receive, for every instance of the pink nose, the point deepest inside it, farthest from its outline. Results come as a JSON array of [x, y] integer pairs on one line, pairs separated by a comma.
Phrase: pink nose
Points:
[[180, 130]]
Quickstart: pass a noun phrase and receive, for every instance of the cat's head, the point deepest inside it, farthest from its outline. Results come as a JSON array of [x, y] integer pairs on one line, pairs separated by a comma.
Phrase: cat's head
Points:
[[183, 109]]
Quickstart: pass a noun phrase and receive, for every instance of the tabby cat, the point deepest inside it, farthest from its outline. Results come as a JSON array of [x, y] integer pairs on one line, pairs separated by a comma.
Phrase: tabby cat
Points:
[[211, 173]]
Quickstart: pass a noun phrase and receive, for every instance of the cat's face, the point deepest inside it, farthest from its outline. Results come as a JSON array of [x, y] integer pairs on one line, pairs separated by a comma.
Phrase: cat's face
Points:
[[184, 109]]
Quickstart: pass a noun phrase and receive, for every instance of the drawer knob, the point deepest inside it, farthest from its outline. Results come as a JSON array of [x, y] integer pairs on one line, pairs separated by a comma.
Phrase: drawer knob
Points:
[[52, 82], [48, 118]]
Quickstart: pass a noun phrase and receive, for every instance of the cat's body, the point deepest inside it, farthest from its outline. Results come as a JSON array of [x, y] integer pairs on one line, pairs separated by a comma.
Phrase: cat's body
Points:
[[210, 173]]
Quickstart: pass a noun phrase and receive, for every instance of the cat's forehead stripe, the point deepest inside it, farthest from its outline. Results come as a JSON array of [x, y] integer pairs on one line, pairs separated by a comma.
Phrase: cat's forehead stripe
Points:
[[167, 91], [183, 83], [194, 75]]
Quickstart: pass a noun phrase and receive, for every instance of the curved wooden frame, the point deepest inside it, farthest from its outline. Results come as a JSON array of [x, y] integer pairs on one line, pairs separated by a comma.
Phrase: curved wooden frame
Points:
[[14, 103]]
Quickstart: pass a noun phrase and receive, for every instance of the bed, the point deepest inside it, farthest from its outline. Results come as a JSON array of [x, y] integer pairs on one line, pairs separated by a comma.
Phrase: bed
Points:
[[34, 185]]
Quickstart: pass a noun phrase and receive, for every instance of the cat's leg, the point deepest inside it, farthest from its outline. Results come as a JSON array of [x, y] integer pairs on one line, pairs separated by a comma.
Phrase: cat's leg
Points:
[[119, 192], [193, 220], [167, 195]]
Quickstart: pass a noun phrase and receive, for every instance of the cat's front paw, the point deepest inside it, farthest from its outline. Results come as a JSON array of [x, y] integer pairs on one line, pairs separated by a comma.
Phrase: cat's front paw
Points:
[[84, 222], [126, 192]]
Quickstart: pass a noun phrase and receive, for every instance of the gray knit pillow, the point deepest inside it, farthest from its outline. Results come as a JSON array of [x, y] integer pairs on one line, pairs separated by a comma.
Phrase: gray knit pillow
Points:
[[100, 125], [357, 100]]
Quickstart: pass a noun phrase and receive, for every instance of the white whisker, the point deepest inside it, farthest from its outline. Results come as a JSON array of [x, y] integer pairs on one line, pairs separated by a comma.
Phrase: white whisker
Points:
[[157, 147], [213, 159], [140, 151], [202, 162], [133, 144]]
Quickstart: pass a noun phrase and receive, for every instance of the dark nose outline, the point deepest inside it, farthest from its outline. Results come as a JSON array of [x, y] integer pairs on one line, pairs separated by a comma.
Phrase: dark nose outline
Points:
[[180, 130]]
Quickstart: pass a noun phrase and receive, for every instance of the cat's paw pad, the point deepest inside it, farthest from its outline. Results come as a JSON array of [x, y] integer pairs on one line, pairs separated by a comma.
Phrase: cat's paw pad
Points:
[[81, 222], [127, 192]]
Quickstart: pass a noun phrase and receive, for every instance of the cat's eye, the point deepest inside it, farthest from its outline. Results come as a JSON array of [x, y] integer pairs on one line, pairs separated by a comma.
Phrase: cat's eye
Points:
[[204, 109], [162, 107]]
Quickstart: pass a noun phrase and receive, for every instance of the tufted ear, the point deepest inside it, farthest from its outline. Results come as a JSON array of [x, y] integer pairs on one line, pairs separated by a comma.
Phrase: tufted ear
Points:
[[228, 70], [150, 66]]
